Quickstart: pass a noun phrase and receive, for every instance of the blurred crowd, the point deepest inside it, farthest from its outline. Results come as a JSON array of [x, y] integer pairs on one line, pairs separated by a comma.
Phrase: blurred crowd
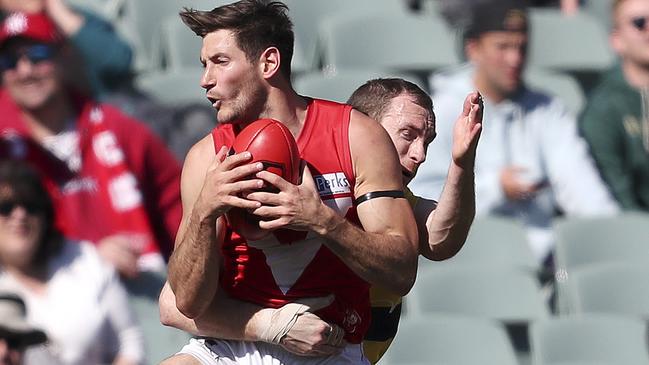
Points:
[[90, 166]]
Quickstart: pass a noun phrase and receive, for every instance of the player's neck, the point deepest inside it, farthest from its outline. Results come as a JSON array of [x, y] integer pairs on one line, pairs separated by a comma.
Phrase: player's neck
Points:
[[635, 74], [49, 120], [288, 107]]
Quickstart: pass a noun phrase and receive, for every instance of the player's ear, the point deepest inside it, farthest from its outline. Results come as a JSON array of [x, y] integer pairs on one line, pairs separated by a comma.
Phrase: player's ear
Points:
[[269, 62]]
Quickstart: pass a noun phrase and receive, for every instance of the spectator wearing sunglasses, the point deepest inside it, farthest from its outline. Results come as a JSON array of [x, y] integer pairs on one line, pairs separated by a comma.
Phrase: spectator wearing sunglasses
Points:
[[16, 335], [75, 297], [615, 121], [104, 56], [113, 182]]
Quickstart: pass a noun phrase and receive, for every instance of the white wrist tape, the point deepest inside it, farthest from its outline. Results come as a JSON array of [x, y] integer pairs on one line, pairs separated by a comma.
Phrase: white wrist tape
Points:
[[282, 321]]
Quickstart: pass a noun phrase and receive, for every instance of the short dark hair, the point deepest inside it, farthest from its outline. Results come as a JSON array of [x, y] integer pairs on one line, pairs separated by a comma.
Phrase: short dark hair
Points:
[[256, 24], [25, 185], [374, 97]]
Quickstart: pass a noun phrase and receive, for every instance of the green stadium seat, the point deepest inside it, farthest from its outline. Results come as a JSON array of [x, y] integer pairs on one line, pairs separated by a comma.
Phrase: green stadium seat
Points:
[[589, 338], [399, 42], [450, 340], [340, 85], [615, 288]]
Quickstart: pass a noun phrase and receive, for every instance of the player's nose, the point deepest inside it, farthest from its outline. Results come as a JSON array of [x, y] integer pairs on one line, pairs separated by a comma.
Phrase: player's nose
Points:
[[207, 79], [417, 153]]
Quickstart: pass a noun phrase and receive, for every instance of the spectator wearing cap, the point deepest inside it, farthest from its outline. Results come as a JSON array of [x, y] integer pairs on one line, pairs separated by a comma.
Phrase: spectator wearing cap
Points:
[[16, 335], [104, 56], [113, 182], [459, 13], [69, 292], [531, 161], [615, 121]]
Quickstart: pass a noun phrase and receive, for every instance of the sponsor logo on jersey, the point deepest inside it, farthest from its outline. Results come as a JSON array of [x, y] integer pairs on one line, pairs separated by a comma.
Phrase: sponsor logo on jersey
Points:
[[350, 320], [332, 184]]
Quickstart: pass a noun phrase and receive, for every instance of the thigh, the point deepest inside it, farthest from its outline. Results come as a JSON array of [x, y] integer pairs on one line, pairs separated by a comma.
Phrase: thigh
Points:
[[181, 359], [197, 352]]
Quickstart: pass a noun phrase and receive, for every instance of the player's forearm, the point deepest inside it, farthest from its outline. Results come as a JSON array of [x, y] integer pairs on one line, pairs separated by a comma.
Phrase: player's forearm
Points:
[[386, 259], [194, 265], [448, 225], [225, 318]]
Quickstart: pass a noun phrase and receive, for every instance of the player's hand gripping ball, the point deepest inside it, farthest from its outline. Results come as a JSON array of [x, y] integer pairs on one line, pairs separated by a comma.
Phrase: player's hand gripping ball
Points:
[[272, 144]]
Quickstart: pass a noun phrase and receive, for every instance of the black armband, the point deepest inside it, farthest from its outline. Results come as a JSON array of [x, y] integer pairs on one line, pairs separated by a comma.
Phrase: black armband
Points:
[[379, 194]]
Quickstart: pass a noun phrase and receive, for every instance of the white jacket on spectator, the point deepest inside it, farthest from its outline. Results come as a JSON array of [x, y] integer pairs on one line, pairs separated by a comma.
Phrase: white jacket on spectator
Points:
[[84, 311], [532, 131]]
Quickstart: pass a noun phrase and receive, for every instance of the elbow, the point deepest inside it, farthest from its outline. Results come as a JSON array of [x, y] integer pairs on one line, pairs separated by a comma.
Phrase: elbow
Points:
[[167, 307], [166, 317], [406, 280], [173, 303], [189, 308], [406, 283], [441, 253], [450, 246]]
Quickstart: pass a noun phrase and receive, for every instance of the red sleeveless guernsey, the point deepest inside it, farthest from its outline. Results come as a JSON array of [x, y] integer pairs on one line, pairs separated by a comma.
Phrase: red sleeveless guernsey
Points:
[[281, 268]]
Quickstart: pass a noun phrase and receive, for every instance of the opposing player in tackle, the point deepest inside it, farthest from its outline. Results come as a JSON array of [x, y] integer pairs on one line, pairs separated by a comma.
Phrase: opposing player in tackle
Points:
[[338, 250], [406, 113]]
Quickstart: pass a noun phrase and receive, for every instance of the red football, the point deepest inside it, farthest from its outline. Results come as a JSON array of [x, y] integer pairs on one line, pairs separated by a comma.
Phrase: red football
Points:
[[272, 144]]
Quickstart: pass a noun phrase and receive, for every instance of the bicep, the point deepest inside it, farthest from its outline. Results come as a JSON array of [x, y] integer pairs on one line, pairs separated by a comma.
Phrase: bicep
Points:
[[374, 157], [377, 168]]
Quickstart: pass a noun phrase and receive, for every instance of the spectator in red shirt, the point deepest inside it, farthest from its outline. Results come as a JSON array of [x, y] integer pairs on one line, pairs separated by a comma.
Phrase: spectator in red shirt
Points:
[[112, 181]]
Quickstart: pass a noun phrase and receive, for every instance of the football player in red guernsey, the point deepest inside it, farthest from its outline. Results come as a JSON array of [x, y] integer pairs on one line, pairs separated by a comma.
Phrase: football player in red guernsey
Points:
[[352, 226]]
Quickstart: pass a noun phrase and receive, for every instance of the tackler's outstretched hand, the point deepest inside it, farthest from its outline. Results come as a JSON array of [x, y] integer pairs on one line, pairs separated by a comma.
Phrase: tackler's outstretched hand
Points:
[[295, 206], [467, 130]]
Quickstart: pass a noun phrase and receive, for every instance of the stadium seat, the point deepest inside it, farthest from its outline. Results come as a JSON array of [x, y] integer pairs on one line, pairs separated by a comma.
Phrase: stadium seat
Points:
[[308, 14], [567, 43], [400, 42], [600, 10], [563, 86], [614, 288], [587, 241], [340, 84], [140, 21], [576, 44], [582, 241], [589, 338], [179, 46], [510, 296], [582, 363], [175, 87], [495, 241], [507, 295], [450, 340]]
